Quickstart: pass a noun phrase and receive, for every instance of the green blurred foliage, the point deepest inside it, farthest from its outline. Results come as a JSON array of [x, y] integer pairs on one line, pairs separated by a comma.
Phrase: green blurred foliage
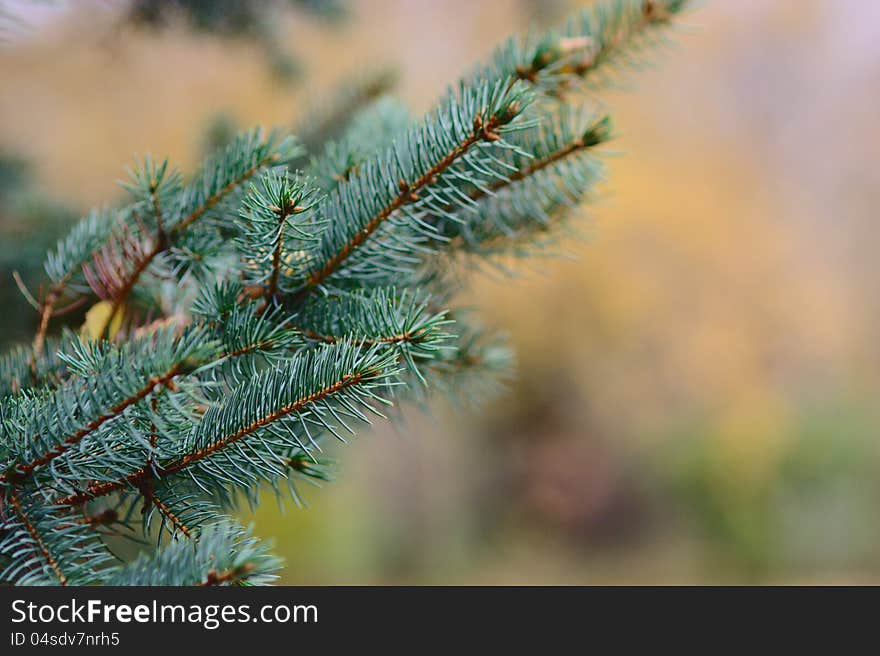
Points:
[[30, 221]]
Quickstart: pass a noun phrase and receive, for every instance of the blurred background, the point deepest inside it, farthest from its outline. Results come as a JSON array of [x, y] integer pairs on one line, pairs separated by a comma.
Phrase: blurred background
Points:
[[697, 392]]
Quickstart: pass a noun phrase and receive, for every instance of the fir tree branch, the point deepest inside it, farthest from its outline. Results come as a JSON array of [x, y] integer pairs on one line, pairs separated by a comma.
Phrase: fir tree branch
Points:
[[152, 498], [39, 544], [144, 474], [224, 554], [484, 129], [23, 470], [318, 317], [164, 241], [227, 189], [107, 381], [367, 369], [275, 223], [606, 33], [346, 381], [378, 317], [596, 134], [408, 193], [130, 281], [551, 172], [65, 262]]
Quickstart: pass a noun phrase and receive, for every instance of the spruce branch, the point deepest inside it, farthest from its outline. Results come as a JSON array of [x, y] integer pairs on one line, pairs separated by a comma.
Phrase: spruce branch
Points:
[[225, 554], [400, 320], [552, 169], [276, 224], [168, 515], [247, 438], [47, 425], [582, 54], [39, 544], [64, 263], [220, 178], [423, 166], [44, 545]]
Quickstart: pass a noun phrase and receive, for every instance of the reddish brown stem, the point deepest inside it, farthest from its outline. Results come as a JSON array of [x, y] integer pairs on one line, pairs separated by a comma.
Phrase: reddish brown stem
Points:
[[48, 308], [366, 341], [215, 577]]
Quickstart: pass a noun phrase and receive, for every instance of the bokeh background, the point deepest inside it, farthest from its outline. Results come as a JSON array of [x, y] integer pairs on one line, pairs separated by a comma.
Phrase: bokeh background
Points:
[[697, 392]]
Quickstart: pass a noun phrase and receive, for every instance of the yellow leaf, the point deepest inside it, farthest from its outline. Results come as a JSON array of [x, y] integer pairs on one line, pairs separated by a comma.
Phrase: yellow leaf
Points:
[[96, 320]]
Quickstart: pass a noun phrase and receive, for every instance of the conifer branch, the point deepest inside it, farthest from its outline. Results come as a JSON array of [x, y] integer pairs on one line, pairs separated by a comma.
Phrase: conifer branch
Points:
[[551, 171], [164, 241], [483, 130], [144, 474], [222, 193], [21, 471], [39, 543], [275, 223], [408, 194], [373, 369], [152, 498], [64, 263], [595, 135], [224, 554], [344, 382], [606, 33]]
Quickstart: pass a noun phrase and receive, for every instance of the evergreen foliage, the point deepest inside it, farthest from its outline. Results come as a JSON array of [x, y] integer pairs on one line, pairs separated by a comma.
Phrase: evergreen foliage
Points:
[[241, 319]]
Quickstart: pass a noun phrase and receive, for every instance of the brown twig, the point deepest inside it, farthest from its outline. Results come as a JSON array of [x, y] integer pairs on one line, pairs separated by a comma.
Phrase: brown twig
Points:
[[215, 577], [366, 341], [46, 311], [282, 212]]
